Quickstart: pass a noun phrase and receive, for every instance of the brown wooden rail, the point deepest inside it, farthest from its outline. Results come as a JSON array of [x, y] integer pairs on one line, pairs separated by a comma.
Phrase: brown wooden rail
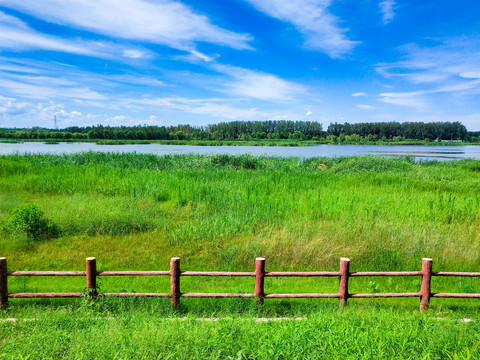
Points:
[[259, 274]]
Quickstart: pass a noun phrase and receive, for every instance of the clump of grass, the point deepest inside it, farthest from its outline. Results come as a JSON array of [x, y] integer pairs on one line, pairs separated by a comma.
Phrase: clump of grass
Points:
[[247, 162], [371, 163]]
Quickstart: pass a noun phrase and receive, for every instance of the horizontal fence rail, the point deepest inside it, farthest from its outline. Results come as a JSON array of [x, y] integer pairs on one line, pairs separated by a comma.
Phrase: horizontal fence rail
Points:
[[259, 274]]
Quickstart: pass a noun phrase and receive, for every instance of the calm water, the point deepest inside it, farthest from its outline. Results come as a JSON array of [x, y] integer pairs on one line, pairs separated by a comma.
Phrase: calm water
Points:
[[419, 152]]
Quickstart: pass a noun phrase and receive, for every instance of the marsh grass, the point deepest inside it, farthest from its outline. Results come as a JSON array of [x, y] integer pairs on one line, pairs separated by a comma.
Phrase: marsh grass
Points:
[[219, 213], [224, 210]]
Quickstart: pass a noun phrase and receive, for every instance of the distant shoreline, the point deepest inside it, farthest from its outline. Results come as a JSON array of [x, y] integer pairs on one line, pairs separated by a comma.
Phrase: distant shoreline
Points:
[[272, 142]]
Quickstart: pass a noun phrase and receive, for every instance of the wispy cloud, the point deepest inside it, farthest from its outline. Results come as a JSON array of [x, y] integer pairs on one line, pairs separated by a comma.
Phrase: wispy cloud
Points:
[[16, 35], [357, 94], [454, 59], [165, 22], [449, 67], [259, 85], [134, 54], [48, 88], [366, 107], [409, 99], [196, 57], [50, 80], [314, 20], [211, 107], [414, 98], [388, 11]]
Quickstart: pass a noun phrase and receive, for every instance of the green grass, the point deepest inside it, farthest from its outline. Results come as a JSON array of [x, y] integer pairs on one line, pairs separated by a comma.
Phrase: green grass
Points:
[[10, 141], [219, 213], [130, 333]]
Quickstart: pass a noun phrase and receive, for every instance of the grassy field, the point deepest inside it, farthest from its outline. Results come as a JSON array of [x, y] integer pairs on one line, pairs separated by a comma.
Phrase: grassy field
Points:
[[363, 333], [219, 213]]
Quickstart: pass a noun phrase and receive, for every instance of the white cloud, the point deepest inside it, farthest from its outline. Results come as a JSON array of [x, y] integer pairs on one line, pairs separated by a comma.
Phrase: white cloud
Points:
[[47, 81], [387, 10], [11, 110], [165, 22], [152, 120], [314, 20], [454, 59], [359, 94], [117, 120], [211, 107], [16, 35], [259, 85], [196, 57], [460, 87], [201, 56], [366, 107], [415, 99], [18, 113], [11, 21], [450, 67], [409, 99], [133, 54], [309, 113], [42, 87], [11, 107]]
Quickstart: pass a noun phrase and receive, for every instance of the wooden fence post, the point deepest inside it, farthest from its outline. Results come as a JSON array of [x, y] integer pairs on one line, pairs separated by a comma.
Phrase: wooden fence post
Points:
[[3, 282], [425, 288], [343, 283], [259, 279], [91, 272], [175, 281]]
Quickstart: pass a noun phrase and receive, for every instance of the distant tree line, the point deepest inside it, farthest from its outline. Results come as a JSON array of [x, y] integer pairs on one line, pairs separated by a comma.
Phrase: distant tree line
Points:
[[246, 130], [274, 129], [407, 130]]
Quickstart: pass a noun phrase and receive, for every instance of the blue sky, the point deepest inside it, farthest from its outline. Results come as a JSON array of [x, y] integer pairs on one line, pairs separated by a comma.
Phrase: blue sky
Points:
[[166, 62]]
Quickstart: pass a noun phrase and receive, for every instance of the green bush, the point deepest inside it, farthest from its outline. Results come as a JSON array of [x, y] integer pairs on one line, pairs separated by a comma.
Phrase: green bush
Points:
[[30, 220]]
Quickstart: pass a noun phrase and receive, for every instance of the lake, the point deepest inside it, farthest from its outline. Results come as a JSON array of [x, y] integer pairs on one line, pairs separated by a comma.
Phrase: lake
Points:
[[420, 152]]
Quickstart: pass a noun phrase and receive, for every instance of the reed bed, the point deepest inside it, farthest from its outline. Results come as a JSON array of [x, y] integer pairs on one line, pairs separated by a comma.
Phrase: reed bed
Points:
[[134, 212]]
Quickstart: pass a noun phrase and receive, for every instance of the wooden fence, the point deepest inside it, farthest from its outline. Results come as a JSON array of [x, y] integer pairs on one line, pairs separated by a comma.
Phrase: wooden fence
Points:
[[259, 274]]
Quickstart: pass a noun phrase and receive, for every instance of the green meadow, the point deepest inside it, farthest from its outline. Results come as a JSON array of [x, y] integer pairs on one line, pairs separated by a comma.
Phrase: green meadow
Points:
[[135, 212]]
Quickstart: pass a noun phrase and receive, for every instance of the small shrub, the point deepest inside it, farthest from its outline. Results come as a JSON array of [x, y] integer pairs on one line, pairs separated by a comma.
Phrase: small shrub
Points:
[[221, 160], [30, 220]]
